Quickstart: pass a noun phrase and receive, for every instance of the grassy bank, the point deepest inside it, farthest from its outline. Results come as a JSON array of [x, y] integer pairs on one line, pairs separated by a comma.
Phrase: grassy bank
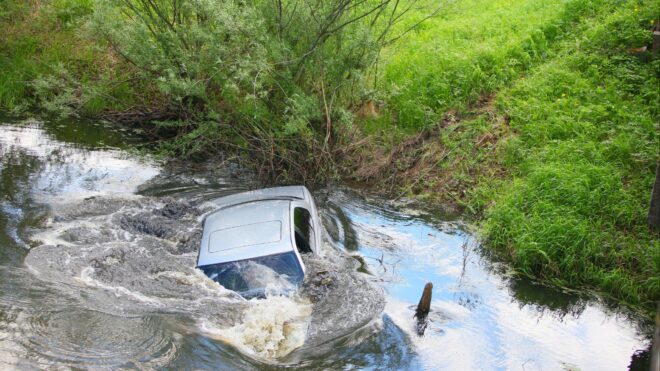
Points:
[[47, 62], [472, 49], [582, 158], [553, 145]]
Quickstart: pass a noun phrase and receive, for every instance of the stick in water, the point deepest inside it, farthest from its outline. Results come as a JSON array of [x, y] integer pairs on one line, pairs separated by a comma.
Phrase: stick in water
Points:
[[423, 309]]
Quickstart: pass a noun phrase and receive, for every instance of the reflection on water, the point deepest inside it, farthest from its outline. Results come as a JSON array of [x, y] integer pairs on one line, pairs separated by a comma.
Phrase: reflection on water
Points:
[[114, 285], [480, 320]]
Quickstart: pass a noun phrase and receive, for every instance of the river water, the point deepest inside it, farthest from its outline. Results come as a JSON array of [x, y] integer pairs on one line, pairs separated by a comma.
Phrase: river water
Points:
[[97, 254]]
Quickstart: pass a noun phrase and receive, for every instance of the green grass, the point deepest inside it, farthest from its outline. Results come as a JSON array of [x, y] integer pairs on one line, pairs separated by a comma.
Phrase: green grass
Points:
[[563, 182], [583, 162], [46, 41], [472, 49]]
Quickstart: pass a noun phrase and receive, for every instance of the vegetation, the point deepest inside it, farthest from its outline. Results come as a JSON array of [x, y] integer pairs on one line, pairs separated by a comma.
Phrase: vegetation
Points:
[[273, 78], [555, 150], [47, 63], [473, 49], [540, 118], [583, 162]]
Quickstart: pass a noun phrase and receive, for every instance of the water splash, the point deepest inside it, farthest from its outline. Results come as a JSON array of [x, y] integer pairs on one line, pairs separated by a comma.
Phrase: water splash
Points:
[[270, 328], [132, 256]]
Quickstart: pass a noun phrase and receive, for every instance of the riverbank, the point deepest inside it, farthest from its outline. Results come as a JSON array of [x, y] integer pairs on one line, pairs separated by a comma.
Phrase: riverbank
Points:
[[538, 119], [553, 151]]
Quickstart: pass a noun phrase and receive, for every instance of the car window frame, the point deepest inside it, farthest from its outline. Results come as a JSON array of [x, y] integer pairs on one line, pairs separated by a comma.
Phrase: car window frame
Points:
[[311, 240]]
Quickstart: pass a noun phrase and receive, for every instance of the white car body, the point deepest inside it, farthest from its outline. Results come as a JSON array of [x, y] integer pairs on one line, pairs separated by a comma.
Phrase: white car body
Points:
[[262, 226]]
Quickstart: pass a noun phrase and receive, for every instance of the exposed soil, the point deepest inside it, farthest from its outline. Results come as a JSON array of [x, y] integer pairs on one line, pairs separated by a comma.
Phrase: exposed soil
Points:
[[424, 163]]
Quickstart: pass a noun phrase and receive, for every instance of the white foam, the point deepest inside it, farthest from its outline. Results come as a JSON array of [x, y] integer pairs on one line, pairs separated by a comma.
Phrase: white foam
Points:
[[271, 328], [86, 278]]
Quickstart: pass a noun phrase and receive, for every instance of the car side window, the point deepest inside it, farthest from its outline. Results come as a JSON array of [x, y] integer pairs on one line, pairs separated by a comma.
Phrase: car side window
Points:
[[304, 230]]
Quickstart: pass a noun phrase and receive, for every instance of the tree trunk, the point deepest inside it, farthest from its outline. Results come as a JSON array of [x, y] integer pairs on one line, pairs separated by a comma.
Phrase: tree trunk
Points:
[[655, 46], [654, 209]]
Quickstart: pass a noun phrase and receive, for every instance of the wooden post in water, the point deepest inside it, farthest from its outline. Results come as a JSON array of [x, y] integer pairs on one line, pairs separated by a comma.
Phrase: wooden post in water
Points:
[[424, 305], [423, 308]]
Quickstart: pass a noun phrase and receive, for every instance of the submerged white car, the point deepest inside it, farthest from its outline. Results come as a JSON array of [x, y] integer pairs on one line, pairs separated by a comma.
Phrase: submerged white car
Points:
[[252, 243]]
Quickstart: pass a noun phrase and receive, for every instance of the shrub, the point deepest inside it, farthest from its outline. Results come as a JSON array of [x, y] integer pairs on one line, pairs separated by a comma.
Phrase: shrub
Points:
[[280, 73]]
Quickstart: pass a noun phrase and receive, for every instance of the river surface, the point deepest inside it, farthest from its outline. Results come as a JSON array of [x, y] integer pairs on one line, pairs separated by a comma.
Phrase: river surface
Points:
[[97, 254]]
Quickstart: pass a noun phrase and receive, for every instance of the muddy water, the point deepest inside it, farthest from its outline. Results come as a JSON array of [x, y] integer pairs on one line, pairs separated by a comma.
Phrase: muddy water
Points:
[[97, 253]]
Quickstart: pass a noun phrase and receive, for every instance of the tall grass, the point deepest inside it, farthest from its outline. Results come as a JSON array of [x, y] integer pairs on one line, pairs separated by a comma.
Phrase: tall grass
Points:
[[583, 161], [560, 164], [473, 49]]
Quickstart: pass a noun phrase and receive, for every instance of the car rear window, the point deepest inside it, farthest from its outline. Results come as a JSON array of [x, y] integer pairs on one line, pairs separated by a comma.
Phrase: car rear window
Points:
[[277, 274]]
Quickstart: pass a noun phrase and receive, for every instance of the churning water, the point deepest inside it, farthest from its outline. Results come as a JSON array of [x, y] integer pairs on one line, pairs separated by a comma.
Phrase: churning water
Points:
[[97, 256]]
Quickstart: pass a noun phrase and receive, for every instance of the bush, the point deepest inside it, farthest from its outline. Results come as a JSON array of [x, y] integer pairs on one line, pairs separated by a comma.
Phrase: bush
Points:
[[277, 73]]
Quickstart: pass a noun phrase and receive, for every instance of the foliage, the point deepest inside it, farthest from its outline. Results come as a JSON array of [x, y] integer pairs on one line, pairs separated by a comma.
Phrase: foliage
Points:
[[230, 74], [473, 49], [194, 51], [43, 45], [584, 162], [254, 66], [542, 122]]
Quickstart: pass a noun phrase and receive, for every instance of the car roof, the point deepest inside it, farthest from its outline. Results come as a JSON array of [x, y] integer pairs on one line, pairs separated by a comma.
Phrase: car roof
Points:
[[287, 192], [248, 225]]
